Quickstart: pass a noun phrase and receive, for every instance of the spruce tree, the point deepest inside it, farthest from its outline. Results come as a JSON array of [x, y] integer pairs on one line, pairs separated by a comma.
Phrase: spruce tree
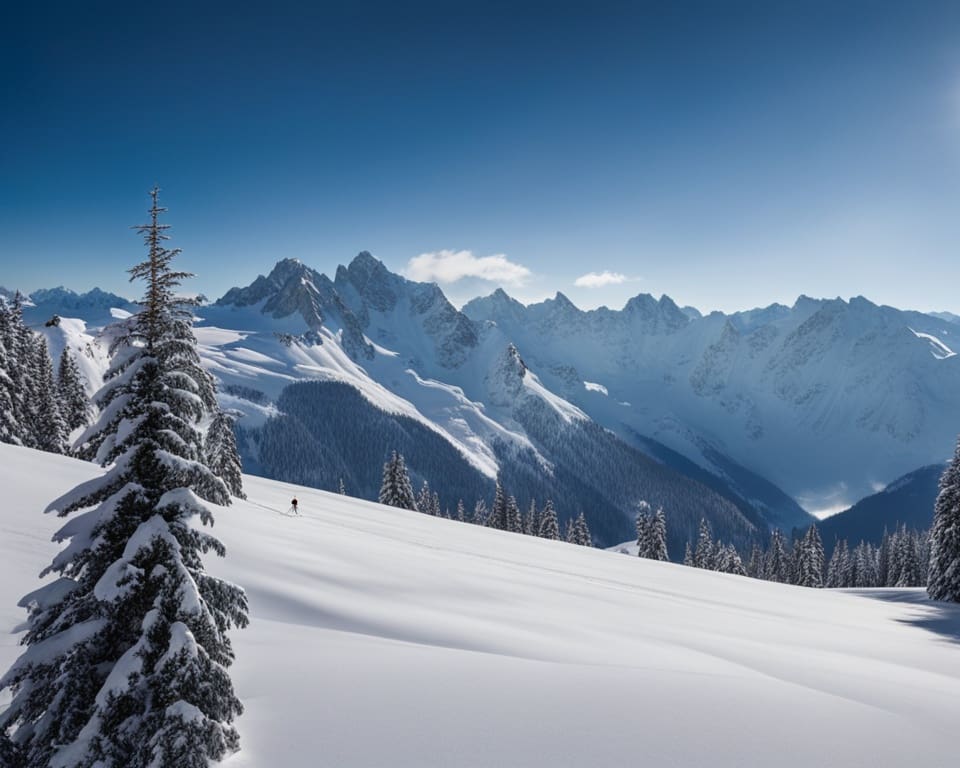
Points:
[[74, 403], [480, 513], [581, 532], [50, 429], [549, 525], [341, 488], [810, 559], [658, 537], [461, 511], [643, 529], [531, 524], [135, 668], [425, 499], [688, 556], [943, 581], [221, 453], [778, 561], [514, 516], [499, 517], [704, 553], [396, 490], [9, 426]]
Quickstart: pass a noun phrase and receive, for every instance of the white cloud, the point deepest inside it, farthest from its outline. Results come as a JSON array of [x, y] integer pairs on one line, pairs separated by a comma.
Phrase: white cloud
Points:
[[451, 266], [599, 279]]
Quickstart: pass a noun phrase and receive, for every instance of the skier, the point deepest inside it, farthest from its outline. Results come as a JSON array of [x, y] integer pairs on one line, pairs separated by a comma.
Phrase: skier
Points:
[[293, 506]]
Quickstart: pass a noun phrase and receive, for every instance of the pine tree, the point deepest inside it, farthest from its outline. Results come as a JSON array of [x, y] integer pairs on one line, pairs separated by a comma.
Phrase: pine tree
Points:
[[688, 556], [499, 517], [9, 425], [658, 537], [943, 582], [778, 562], [839, 565], [581, 532], [514, 516], [396, 490], [756, 567], [341, 488], [74, 403], [480, 513], [643, 529], [570, 533], [425, 499], [135, 673], [461, 511], [810, 559], [49, 427], [549, 525], [728, 560], [703, 555], [222, 455]]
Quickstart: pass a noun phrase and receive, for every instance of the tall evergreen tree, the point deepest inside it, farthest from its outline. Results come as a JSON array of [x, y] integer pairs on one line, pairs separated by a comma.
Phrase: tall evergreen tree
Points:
[[9, 425], [658, 537], [704, 553], [943, 582], [499, 515], [396, 490], [581, 532], [531, 523], [134, 671], [514, 516], [461, 511], [549, 525], [74, 403], [778, 561], [425, 499], [810, 559], [222, 455], [480, 513]]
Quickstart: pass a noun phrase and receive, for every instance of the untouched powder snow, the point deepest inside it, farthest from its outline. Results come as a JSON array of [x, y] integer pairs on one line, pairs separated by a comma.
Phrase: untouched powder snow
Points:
[[381, 637]]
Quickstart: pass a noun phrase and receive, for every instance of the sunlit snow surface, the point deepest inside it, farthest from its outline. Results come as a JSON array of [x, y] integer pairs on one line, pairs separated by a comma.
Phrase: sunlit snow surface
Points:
[[387, 638], [937, 348]]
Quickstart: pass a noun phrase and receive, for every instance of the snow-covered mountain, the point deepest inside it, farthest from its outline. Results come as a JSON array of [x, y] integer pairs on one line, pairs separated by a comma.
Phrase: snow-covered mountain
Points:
[[820, 403], [95, 307], [462, 646], [462, 387], [827, 399]]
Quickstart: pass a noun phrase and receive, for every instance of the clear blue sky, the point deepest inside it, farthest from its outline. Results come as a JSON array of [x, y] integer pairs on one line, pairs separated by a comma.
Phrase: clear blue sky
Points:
[[729, 154]]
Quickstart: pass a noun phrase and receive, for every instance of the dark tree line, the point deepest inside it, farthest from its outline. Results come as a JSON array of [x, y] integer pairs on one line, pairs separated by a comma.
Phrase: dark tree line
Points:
[[504, 514]]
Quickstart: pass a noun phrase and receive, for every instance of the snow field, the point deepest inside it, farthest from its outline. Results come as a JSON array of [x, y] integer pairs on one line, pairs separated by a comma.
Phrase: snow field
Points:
[[382, 637]]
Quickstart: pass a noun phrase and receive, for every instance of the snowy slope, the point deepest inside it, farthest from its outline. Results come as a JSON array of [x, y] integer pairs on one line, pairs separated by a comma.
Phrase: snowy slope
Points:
[[380, 637]]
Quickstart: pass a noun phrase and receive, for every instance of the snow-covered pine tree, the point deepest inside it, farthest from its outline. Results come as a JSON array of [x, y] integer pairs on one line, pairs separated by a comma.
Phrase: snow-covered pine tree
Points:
[[480, 513], [396, 490], [341, 488], [658, 537], [810, 559], [837, 565], [643, 529], [49, 428], [943, 582], [461, 511], [435, 506], [222, 456], [498, 517], [704, 553], [514, 516], [74, 403], [9, 426], [688, 556], [728, 560], [581, 532], [778, 561], [425, 499], [883, 559], [549, 525], [127, 652], [570, 533]]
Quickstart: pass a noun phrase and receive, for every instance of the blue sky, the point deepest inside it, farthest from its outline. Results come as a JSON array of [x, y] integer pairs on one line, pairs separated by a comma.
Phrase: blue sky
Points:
[[729, 154]]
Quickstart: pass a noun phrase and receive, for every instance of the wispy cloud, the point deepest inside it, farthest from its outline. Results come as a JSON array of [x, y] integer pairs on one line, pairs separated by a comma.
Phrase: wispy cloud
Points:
[[599, 279], [451, 266]]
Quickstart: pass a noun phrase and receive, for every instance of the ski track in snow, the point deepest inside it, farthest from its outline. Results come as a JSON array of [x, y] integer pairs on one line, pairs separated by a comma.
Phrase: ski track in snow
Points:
[[382, 637]]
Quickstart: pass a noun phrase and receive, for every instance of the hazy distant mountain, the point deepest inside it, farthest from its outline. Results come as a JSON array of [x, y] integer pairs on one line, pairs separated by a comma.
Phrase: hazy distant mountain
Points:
[[908, 501]]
